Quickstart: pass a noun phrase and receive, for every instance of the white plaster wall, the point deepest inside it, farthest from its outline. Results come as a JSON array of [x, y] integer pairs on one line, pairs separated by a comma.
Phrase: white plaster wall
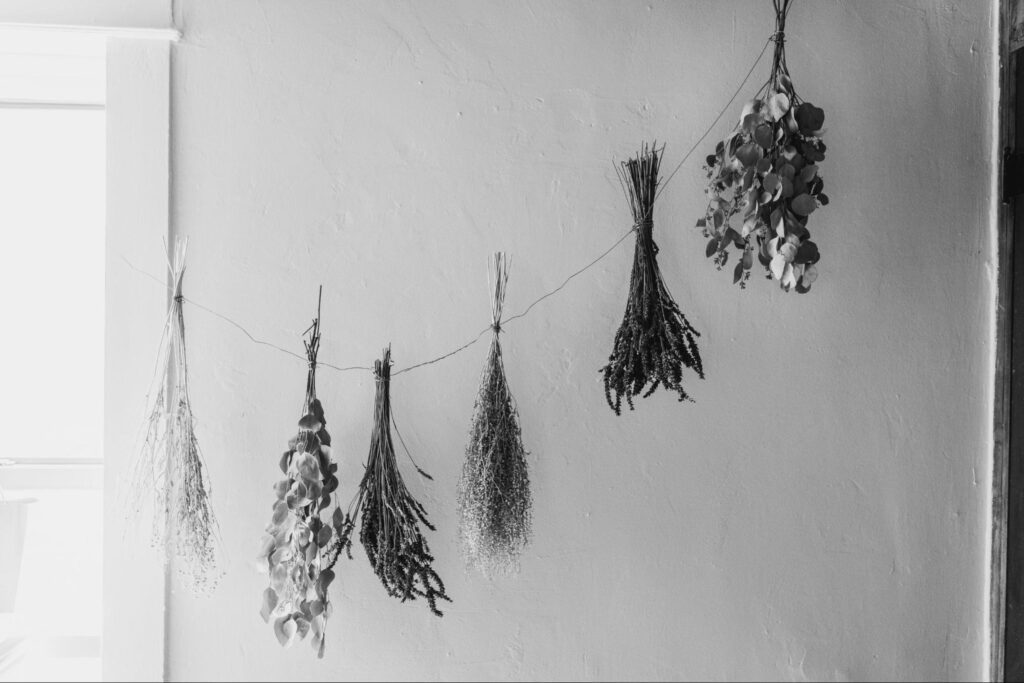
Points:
[[819, 513], [120, 13]]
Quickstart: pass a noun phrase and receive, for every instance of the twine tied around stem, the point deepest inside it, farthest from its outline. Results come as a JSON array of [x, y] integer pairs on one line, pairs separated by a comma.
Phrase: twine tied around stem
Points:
[[497, 278]]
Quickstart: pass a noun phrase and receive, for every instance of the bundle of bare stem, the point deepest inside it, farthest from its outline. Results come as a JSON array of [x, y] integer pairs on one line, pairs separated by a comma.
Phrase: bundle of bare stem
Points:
[[390, 531], [299, 548], [171, 464], [494, 496], [655, 341]]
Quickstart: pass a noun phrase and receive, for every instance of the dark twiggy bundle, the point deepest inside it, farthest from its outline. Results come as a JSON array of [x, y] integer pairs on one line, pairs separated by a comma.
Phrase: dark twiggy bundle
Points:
[[494, 490], [391, 517], [655, 341], [171, 463], [299, 548]]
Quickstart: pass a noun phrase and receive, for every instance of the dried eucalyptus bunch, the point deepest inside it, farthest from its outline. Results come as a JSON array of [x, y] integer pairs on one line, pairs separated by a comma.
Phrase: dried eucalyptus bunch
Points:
[[171, 463], [764, 181], [391, 517], [494, 491], [655, 341], [300, 549]]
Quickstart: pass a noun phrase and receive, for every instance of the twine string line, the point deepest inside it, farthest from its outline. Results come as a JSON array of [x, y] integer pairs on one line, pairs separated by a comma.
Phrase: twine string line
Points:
[[496, 326], [718, 118]]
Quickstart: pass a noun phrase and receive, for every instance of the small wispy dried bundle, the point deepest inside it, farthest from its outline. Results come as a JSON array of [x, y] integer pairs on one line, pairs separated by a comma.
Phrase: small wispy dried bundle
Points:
[[391, 517], [655, 341], [494, 498], [299, 548], [171, 465]]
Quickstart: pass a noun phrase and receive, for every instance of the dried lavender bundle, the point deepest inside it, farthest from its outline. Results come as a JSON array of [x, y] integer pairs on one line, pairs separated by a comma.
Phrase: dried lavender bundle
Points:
[[390, 531], [299, 548], [494, 492], [655, 341], [171, 463]]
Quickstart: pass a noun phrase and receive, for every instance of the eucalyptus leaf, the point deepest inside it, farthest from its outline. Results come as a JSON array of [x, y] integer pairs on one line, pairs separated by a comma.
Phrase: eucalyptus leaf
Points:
[[749, 154], [301, 628], [285, 629], [712, 246], [751, 122], [763, 135], [281, 512], [269, 604], [326, 579], [809, 118], [778, 105], [778, 266], [804, 205]]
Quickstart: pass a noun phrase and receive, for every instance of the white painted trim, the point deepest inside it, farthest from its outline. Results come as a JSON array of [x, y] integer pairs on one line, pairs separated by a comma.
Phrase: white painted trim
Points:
[[171, 35], [42, 104], [138, 221]]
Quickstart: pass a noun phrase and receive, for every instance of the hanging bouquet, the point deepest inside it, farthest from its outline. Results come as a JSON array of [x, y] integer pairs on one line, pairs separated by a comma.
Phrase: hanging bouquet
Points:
[[391, 517], [655, 341], [301, 549], [764, 181], [494, 499], [171, 467]]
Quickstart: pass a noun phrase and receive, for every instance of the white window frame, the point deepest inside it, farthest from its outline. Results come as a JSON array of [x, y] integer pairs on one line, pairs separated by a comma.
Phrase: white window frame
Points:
[[137, 105]]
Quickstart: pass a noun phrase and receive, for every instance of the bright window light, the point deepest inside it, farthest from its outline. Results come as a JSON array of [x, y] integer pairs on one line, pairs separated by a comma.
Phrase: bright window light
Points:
[[52, 181], [52, 262]]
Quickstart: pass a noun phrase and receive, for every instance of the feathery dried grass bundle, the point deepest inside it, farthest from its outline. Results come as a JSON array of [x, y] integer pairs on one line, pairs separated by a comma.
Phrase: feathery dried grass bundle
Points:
[[171, 462], [390, 531], [655, 341], [494, 491], [299, 548]]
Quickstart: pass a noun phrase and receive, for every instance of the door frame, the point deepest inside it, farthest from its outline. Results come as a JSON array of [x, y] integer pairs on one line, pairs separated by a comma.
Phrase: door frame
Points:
[[1003, 354]]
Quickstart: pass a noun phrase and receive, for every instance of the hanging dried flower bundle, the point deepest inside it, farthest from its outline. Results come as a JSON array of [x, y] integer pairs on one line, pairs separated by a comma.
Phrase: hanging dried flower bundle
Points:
[[171, 464], [494, 491], [300, 549], [391, 517], [655, 341], [764, 181]]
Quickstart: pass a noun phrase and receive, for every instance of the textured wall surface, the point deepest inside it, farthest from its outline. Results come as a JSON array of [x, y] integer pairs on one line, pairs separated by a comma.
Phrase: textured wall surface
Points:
[[819, 513]]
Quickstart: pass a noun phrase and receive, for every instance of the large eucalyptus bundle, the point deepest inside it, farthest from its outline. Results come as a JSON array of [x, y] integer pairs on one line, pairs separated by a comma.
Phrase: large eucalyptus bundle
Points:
[[764, 181], [299, 548], [391, 517], [170, 466], [494, 496], [655, 341]]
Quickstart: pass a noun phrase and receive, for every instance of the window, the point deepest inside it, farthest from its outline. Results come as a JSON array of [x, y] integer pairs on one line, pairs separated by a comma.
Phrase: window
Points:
[[52, 213]]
